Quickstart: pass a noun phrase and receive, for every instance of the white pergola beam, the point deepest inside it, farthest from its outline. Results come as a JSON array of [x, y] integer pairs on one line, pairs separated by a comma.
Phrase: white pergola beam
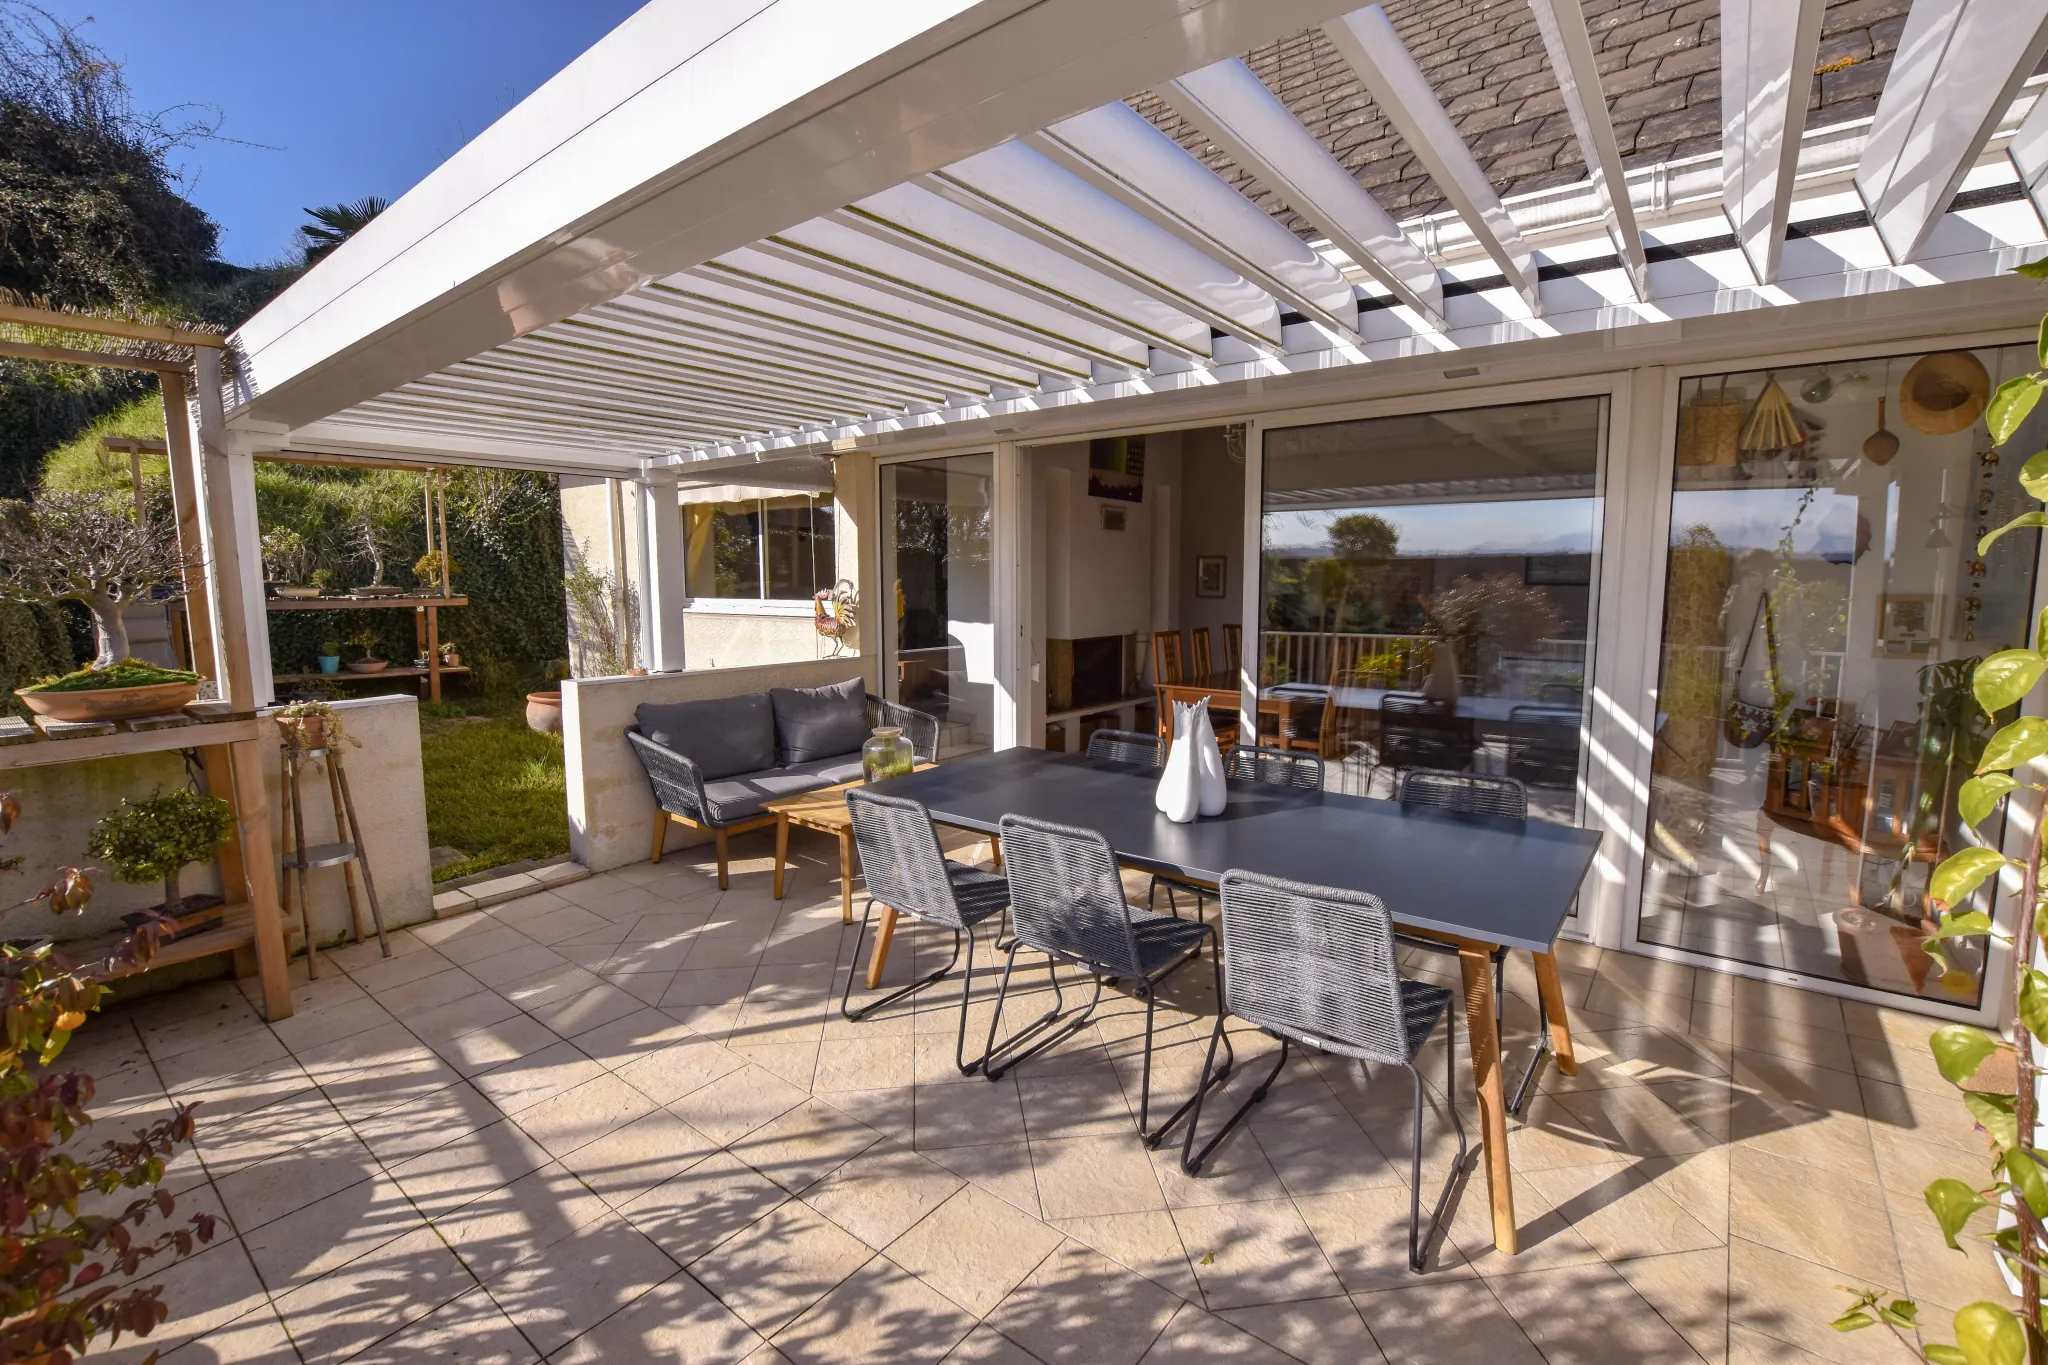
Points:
[[1118, 151], [1369, 44], [2029, 153], [1767, 55], [1565, 38], [661, 336], [477, 377], [682, 383], [1958, 68], [1236, 111]]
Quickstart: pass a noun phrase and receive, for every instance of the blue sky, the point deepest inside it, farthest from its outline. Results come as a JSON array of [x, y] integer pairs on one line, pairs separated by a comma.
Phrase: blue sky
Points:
[[358, 98]]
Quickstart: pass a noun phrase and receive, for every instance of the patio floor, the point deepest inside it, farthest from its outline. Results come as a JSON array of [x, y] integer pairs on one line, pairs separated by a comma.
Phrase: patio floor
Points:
[[625, 1121]]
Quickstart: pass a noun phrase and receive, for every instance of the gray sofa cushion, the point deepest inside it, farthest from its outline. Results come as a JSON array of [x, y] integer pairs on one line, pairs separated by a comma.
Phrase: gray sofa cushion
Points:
[[819, 722], [737, 797], [721, 735]]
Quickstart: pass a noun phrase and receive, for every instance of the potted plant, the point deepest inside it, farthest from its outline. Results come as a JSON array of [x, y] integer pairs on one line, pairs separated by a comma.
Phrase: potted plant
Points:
[[322, 579], [544, 709], [284, 563], [366, 640], [330, 656], [153, 840], [427, 569], [309, 725], [122, 691], [95, 548], [450, 656]]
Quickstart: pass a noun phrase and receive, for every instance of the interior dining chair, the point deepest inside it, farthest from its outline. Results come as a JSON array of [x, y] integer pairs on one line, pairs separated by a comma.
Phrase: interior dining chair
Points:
[[1167, 668], [1198, 650], [1315, 966], [1269, 767], [907, 872], [1067, 901], [1479, 794], [1233, 646], [1127, 746]]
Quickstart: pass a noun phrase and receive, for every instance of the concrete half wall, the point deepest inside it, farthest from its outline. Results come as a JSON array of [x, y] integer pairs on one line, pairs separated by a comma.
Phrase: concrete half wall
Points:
[[611, 807]]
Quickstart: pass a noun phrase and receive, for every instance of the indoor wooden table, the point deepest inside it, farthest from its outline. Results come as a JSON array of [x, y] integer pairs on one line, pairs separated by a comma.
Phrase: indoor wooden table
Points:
[[1476, 881]]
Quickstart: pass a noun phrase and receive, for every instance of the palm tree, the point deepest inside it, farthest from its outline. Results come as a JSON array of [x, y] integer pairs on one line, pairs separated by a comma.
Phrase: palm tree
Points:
[[336, 223]]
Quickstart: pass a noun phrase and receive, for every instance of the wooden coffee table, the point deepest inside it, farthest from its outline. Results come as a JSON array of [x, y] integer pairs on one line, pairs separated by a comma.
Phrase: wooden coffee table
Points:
[[823, 810]]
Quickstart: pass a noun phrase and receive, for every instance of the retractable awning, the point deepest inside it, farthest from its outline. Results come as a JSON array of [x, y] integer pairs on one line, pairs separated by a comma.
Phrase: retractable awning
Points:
[[707, 244]]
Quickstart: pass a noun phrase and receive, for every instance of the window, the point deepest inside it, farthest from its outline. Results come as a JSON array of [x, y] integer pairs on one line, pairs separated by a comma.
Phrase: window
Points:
[[1824, 604], [774, 548]]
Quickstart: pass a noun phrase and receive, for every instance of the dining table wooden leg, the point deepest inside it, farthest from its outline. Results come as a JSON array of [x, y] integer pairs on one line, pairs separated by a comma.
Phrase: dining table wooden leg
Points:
[[1475, 964], [1551, 990], [884, 932]]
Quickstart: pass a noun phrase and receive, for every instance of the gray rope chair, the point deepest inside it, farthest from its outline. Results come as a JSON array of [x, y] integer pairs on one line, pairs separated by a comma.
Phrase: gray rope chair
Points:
[[1067, 901], [1467, 793], [1268, 767], [906, 871], [1315, 966], [1127, 746]]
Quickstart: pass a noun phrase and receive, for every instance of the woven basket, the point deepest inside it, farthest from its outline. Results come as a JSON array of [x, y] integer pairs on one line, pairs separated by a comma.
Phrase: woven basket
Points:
[[1710, 428]]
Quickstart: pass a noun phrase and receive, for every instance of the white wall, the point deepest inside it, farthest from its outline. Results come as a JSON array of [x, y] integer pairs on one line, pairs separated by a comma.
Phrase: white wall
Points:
[[1098, 582], [611, 807], [1211, 504]]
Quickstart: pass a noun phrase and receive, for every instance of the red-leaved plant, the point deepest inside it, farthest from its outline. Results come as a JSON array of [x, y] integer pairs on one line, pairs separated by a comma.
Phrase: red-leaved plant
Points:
[[66, 1277]]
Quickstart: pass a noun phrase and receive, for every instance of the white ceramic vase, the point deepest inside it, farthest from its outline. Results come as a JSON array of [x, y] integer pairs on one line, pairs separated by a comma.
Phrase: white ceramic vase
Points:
[[1179, 796], [1208, 760]]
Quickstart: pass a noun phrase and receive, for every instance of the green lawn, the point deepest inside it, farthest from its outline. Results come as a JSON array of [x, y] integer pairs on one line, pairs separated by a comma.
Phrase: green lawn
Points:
[[494, 790]]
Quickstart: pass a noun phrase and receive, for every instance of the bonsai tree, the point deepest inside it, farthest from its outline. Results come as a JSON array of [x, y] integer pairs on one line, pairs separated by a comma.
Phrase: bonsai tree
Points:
[[365, 640], [427, 568], [89, 547], [284, 555], [152, 840]]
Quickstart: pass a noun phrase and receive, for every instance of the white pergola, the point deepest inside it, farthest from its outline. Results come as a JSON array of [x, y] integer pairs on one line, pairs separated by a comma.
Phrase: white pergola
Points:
[[715, 242]]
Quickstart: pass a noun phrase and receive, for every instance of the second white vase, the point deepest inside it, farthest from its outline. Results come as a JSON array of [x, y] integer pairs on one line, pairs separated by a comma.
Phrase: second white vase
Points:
[[1212, 795], [1179, 795]]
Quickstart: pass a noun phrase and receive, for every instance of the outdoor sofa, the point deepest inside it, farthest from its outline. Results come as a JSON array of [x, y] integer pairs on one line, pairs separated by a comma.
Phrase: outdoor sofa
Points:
[[715, 763]]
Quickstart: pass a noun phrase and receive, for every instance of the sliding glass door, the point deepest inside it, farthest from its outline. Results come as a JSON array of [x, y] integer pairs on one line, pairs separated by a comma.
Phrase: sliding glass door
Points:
[[936, 613], [1427, 594]]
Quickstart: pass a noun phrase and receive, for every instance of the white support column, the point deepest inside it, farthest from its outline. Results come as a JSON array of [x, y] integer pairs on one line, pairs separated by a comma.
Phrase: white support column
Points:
[[234, 558], [662, 590], [1010, 597]]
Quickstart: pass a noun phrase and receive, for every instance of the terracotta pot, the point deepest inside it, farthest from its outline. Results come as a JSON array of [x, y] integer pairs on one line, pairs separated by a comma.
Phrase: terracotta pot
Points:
[[111, 703], [544, 712], [304, 732], [367, 665]]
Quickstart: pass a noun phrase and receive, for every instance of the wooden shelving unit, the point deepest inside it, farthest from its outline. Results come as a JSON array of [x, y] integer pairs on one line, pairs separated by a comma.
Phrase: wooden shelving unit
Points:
[[426, 631]]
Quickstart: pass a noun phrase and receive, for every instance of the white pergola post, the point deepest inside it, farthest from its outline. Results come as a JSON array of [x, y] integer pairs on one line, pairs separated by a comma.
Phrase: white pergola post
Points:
[[662, 590], [234, 556]]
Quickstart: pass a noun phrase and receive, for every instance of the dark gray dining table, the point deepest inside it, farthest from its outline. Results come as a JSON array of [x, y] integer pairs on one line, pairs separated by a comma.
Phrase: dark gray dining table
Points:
[[1477, 881]]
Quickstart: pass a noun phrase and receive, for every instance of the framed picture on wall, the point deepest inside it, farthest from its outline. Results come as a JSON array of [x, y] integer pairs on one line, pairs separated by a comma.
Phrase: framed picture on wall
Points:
[[1209, 575], [1116, 468], [1907, 623]]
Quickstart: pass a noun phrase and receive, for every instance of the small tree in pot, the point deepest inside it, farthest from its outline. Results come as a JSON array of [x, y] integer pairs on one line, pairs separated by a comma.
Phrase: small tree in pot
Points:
[[153, 840], [89, 547]]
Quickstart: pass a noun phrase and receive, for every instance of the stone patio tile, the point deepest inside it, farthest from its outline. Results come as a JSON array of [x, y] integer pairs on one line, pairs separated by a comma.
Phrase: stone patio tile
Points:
[[1589, 1315], [880, 1194], [506, 1225], [221, 1016], [381, 975], [373, 1297], [1087, 1177], [708, 1000], [1080, 1308], [255, 1338], [517, 959], [398, 1135], [1078, 1103], [1147, 1243], [469, 930], [986, 1346], [646, 987], [1689, 1289], [1364, 1236], [627, 959], [236, 1144], [190, 1070], [1445, 1322], [677, 1322], [470, 1330], [631, 1159], [974, 1249], [1314, 1331], [1621, 1212], [551, 988], [308, 996], [584, 1114], [796, 1062], [537, 1076], [774, 1269], [494, 1044], [271, 1189], [1197, 1337], [1001, 1168], [584, 1279], [547, 918], [454, 1173], [693, 1211], [890, 1111], [1831, 1219], [687, 1064], [464, 1014], [424, 997], [804, 1145], [329, 1233], [1319, 1153], [969, 1115], [206, 1293], [880, 1312], [1784, 1299], [1255, 1252], [870, 1063], [1938, 1278]]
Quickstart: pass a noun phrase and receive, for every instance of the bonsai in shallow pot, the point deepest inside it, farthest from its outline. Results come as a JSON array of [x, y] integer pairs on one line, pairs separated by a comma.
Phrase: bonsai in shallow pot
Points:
[[121, 691], [153, 840], [366, 640]]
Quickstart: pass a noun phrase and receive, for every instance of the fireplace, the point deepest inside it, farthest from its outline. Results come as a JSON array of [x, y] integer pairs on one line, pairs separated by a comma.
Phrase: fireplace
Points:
[[1091, 672]]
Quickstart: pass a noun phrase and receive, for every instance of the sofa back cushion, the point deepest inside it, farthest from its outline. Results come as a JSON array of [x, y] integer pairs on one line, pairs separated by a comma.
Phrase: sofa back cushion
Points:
[[721, 735], [820, 722]]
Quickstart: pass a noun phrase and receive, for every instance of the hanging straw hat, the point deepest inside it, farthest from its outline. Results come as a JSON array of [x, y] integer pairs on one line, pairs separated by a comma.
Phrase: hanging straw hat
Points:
[[1944, 392]]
